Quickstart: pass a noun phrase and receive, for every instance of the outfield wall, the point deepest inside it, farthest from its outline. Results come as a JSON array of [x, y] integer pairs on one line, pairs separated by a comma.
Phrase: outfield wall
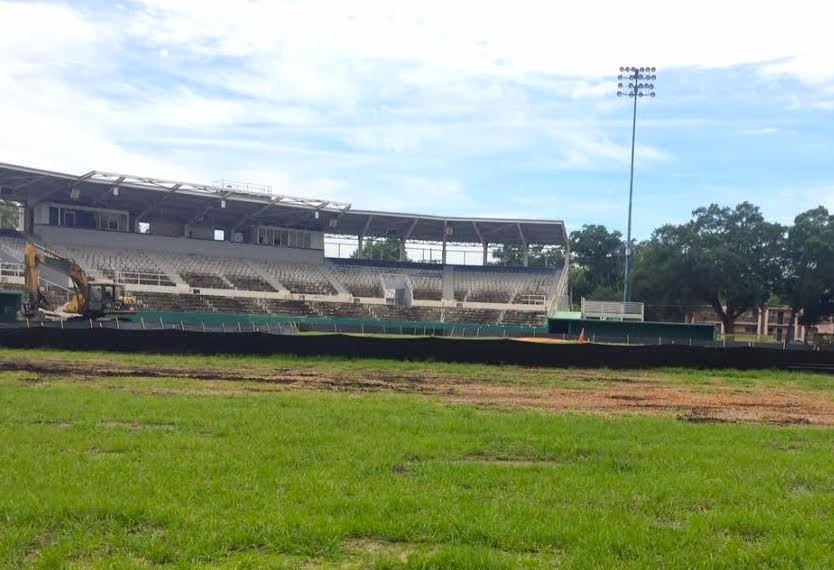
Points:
[[233, 322], [632, 331], [495, 351]]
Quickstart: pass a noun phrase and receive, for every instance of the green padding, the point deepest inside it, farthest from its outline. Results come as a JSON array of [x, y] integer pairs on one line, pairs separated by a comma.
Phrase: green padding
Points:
[[10, 303], [631, 330], [574, 315], [328, 324]]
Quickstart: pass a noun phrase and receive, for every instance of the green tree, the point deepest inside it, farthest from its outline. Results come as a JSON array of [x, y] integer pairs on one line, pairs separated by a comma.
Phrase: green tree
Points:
[[729, 258], [597, 256], [9, 215], [382, 250], [734, 255], [659, 275], [512, 254], [808, 267]]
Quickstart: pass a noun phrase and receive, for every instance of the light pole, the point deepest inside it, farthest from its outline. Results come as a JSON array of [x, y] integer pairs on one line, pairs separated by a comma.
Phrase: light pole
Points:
[[634, 82]]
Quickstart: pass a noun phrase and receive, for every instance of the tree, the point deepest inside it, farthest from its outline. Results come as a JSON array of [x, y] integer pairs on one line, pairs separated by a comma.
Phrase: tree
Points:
[[9, 215], [808, 268], [734, 256], [512, 254], [384, 250], [726, 257], [596, 258], [659, 276]]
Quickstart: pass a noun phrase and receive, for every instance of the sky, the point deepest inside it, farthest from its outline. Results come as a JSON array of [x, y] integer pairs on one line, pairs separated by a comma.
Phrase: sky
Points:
[[463, 108]]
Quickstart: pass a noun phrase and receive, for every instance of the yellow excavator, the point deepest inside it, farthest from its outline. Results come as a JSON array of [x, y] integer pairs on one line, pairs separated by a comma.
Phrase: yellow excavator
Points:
[[91, 300]]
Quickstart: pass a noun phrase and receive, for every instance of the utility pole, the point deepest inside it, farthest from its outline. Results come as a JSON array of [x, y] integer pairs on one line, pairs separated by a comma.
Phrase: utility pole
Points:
[[640, 84]]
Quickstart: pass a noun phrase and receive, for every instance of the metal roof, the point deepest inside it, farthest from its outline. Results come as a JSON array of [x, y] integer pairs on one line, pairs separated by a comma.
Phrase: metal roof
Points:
[[233, 205]]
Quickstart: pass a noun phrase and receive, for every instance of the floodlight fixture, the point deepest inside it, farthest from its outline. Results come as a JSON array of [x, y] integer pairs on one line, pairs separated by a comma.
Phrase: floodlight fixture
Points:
[[641, 84]]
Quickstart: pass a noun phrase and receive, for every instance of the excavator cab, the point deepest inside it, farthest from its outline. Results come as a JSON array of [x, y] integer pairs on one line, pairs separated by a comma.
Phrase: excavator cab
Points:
[[108, 299]]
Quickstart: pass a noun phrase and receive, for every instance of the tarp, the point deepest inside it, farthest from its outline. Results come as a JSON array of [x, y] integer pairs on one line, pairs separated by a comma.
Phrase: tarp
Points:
[[495, 351]]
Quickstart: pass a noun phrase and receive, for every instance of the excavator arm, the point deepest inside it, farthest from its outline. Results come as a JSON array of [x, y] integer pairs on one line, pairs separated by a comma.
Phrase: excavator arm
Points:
[[34, 297]]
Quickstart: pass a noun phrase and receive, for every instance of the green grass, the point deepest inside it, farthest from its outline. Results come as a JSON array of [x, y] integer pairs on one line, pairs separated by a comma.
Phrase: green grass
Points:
[[124, 472]]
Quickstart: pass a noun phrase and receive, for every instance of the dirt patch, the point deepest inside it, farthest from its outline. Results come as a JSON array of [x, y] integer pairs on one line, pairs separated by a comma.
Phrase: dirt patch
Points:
[[697, 418], [137, 426], [93, 371], [614, 394], [57, 424], [377, 548], [100, 452], [503, 462], [725, 405]]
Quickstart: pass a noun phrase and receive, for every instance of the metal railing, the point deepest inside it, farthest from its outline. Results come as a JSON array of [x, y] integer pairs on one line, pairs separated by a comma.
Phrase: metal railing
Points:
[[560, 300], [612, 310], [531, 299], [10, 269], [142, 278]]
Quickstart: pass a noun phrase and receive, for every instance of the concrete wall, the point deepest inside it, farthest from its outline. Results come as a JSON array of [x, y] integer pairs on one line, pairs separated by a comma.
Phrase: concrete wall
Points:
[[71, 236]]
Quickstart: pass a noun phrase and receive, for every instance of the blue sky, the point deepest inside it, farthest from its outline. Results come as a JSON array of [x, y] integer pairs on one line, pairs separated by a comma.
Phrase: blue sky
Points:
[[465, 108]]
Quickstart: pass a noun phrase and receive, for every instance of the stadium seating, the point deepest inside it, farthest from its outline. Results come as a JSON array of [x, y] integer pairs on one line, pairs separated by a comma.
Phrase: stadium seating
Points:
[[481, 316], [503, 285], [249, 283], [221, 283], [392, 312], [526, 318], [301, 279], [11, 248], [122, 265], [360, 281]]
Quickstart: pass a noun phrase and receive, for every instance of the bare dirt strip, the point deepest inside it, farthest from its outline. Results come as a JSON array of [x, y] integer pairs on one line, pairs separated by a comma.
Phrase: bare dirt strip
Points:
[[611, 395]]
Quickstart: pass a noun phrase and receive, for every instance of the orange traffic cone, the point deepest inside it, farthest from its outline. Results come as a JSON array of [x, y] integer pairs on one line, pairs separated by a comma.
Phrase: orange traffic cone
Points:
[[582, 336]]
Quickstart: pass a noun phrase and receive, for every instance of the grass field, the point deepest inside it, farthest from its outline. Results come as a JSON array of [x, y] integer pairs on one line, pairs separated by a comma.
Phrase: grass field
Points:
[[233, 468]]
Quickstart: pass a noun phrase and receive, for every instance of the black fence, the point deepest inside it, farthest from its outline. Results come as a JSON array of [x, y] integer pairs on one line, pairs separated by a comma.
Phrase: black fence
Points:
[[492, 351]]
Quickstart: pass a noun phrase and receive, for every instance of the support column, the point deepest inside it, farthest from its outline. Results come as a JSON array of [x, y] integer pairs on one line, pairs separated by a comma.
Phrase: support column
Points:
[[524, 245], [445, 231], [766, 323], [402, 249], [363, 233], [486, 253], [28, 219]]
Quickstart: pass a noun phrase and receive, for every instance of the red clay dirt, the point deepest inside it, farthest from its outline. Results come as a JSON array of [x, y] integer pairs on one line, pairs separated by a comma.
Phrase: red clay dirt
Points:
[[611, 395]]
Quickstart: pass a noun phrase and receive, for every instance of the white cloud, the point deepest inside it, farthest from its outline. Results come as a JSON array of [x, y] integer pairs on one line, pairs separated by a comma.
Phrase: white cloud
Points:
[[525, 36], [350, 100], [408, 193], [34, 33], [760, 131]]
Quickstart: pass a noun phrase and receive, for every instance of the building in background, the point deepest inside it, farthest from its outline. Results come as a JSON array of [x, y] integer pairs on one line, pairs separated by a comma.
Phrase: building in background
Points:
[[773, 322]]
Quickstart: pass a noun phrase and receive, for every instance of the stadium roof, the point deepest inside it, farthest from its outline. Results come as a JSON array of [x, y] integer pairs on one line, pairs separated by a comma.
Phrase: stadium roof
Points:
[[234, 205]]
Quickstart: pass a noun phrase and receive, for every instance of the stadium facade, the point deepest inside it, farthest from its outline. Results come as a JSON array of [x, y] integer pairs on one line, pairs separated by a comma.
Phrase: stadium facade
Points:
[[240, 248]]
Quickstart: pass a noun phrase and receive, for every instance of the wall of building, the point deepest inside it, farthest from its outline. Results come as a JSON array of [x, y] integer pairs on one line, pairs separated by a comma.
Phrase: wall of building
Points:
[[70, 236], [771, 322]]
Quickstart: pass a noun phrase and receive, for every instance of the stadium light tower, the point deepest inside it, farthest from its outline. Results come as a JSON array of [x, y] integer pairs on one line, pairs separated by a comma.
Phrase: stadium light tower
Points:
[[634, 82]]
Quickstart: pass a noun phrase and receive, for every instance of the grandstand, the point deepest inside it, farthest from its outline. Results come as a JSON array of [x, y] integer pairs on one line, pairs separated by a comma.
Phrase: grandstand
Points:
[[230, 249]]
